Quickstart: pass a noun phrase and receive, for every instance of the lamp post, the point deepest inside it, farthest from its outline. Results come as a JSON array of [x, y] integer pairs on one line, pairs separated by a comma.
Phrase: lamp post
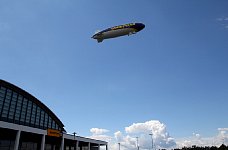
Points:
[[137, 144], [74, 135], [75, 148], [152, 144]]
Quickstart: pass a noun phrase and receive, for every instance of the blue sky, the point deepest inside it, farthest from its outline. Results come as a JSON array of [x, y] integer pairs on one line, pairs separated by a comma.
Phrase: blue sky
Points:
[[174, 71]]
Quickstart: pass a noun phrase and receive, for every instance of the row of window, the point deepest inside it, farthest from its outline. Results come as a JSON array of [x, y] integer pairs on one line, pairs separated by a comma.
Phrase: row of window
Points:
[[9, 145], [18, 109], [6, 144]]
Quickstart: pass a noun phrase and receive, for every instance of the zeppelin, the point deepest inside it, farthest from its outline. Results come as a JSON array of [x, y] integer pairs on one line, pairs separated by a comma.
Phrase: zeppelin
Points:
[[116, 31]]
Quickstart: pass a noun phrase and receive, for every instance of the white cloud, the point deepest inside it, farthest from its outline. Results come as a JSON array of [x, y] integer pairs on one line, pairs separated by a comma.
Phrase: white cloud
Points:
[[102, 137], [128, 140], [161, 137], [196, 135], [147, 127], [100, 134], [223, 21], [222, 129], [223, 133], [198, 140], [97, 131], [118, 136]]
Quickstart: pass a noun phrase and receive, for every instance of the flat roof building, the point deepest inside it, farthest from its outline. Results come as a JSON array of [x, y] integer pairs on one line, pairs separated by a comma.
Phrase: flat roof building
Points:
[[27, 124]]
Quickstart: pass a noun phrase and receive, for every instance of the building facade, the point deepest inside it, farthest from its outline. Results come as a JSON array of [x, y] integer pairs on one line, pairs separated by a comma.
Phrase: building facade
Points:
[[27, 124]]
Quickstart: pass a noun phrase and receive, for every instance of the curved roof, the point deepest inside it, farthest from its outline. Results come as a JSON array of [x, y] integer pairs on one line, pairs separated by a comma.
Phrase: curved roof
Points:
[[33, 99]]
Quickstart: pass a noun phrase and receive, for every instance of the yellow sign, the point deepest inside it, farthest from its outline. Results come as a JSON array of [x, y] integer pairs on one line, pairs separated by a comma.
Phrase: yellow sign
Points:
[[123, 26], [52, 132]]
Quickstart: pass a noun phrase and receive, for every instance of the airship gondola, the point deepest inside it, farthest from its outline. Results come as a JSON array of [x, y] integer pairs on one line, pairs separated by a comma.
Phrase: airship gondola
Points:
[[120, 30]]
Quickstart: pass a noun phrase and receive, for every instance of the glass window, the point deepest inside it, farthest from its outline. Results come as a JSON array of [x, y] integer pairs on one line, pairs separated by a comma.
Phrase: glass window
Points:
[[15, 108], [25, 103], [22, 119], [2, 91], [42, 118], [2, 97], [20, 97], [33, 117], [49, 122], [53, 124], [11, 113], [1, 102], [18, 108], [8, 99], [28, 145], [9, 92], [37, 116], [29, 109], [14, 95], [32, 120], [14, 100], [46, 120], [47, 146], [67, 147], [12, 107], [17, 116], [6, 108], [57, 127], [23, 111], [5, 144], [4, 113]]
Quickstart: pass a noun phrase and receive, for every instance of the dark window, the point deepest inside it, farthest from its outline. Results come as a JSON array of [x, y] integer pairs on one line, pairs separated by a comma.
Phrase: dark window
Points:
[[37, 123], [49, 122], [28, 146], [13, 106], [6, 144], [28, 115], [2, 90], [46, 121], [18, 108], [33, 117], [48, 147], [42, 119], [1, 104], [6, 104], [9, 92], [53, 124], [2, 97], [57, 127], [23, 110]]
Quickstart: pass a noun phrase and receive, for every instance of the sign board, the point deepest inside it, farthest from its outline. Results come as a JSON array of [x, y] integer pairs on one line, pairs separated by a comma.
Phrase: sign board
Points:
[[52, 132]]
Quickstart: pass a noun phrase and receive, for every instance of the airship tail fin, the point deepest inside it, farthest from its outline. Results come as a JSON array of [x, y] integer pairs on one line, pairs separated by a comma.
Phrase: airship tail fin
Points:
[[132, 33], [99, 40], [97, 31]]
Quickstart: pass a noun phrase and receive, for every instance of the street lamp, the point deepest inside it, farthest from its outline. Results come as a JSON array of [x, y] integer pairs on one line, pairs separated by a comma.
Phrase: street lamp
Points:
[[137, 140], [74, 135], [152, 144], [75, 145]]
